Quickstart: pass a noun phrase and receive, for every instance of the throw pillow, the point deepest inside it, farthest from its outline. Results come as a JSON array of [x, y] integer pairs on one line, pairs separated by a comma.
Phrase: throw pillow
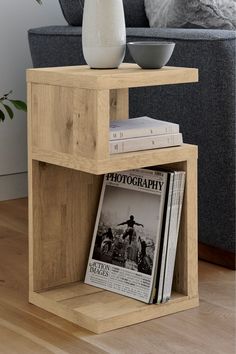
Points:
[[219, 14]]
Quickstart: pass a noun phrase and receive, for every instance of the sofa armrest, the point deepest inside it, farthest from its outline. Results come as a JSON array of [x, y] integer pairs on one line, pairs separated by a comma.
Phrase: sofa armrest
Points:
[[188, 34]]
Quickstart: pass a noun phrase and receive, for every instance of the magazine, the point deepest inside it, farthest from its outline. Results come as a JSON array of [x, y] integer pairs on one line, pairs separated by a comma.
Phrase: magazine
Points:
[[125, 247], [170, 237], [164, 238], [177, 201]]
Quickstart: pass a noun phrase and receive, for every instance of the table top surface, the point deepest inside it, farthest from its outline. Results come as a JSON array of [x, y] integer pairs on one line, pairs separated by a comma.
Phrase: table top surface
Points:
[[126, 76]]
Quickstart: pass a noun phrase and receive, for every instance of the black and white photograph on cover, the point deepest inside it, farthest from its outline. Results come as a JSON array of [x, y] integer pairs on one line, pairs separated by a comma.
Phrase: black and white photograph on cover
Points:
[[127, 229]]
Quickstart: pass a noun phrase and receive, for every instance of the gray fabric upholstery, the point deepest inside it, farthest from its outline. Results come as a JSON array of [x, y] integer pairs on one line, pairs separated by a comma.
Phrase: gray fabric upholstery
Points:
[[135, 15], [220, 14], [167, 33], [205, 111], [72, 11]]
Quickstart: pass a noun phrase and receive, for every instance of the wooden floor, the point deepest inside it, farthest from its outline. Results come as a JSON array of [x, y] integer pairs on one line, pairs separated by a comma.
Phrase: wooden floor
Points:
[[25, 329]]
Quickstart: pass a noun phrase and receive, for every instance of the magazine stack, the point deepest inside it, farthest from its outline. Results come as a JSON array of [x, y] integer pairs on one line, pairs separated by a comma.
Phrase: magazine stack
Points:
[[142, 133], [135, 237]]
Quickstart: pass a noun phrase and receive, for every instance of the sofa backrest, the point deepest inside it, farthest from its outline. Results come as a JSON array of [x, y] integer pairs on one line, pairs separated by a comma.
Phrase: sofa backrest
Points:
[[135, 15]]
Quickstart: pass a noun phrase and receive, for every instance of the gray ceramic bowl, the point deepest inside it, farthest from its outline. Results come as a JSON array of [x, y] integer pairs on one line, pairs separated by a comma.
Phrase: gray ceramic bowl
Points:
[[151, 55]]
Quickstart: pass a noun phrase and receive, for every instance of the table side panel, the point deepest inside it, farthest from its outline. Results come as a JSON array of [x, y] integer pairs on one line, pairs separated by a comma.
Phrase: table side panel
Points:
[[52, 117], [191, 206], [65, 205], [119, 104], [91, 123], [30, 186]]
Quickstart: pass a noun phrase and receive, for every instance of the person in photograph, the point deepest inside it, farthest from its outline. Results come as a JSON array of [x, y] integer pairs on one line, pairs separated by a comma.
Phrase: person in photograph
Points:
[[132, 249], [130, 228], [107, 242], [145, 262]]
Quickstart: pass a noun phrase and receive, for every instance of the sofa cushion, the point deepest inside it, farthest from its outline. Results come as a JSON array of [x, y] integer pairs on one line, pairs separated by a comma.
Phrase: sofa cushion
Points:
[[135, 15], [219, 14]]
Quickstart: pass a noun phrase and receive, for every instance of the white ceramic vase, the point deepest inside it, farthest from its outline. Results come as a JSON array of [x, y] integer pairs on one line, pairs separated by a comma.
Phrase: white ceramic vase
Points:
[[103, 33]]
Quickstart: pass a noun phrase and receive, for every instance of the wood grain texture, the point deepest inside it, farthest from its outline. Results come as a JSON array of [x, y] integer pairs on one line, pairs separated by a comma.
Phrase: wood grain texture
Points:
[[128, 75], [30, 181], [51, 117], [70, 110], [28, 329], [119, 104], [186, 275], [64, 206], [102, 311], [60, 240], [91, 123], [70, 121], [118, 162]]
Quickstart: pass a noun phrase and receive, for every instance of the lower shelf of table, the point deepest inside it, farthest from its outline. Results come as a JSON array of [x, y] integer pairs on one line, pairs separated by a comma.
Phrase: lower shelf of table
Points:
[[100, 311]]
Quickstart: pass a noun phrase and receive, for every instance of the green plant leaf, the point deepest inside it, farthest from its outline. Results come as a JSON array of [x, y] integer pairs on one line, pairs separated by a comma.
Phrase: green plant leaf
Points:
[[19, 105], [2, 116], [9, 110], [39, 2]]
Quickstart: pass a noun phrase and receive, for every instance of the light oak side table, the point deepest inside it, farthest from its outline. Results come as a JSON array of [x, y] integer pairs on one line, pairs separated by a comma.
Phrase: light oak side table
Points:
[[69, 109]]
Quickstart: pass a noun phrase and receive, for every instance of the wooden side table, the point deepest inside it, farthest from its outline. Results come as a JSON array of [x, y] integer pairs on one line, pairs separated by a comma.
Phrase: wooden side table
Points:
[[69, 109]]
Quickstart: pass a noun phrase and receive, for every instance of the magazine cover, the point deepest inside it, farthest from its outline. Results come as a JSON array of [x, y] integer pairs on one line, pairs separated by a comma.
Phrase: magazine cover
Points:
[[125, 245]]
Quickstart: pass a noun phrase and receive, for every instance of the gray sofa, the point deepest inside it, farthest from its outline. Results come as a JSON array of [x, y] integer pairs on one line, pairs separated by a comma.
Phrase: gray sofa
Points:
[[205, 111]]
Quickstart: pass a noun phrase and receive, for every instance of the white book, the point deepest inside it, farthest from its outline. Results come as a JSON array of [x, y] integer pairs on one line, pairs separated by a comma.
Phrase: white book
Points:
[[145, 143], [139, 127], [177, 202], [125, 246]]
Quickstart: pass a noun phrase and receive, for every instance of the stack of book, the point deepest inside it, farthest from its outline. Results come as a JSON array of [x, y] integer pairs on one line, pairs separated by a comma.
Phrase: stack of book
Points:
[[142, 134], [135, 237]]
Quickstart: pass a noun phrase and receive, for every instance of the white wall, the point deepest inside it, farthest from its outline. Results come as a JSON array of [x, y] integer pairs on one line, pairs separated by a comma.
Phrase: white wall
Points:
[[16, 17]]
